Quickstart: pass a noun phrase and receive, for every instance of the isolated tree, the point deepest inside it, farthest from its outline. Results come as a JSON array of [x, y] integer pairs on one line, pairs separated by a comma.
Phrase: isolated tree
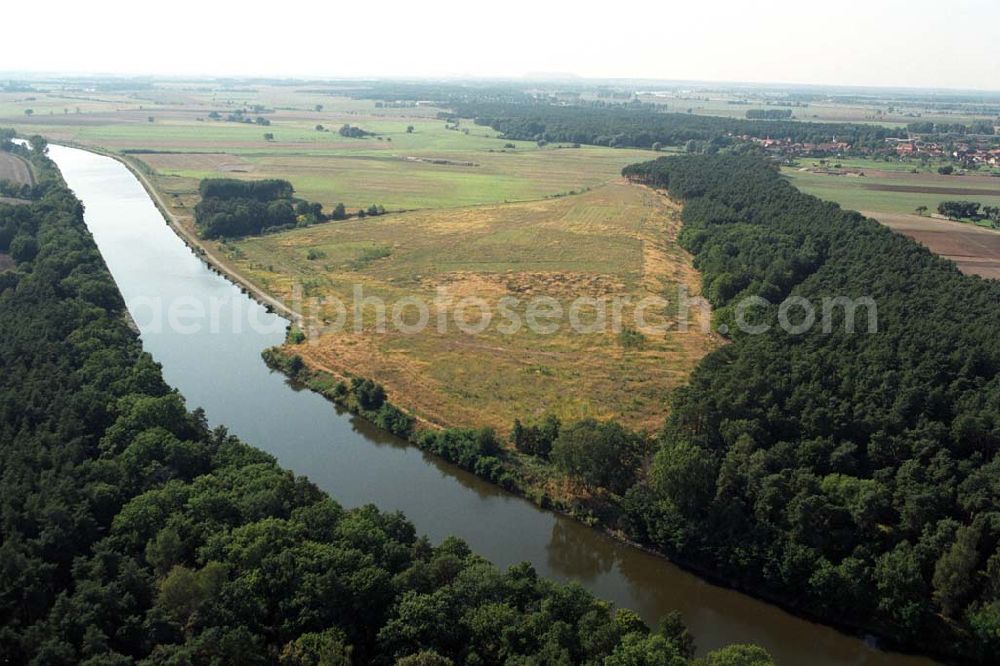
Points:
[[319, 107], [409, 129], [268, 136]]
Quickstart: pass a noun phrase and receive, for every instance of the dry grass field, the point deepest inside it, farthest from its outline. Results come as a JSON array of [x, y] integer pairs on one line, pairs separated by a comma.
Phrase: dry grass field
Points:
[[14, 169], [616, 240]]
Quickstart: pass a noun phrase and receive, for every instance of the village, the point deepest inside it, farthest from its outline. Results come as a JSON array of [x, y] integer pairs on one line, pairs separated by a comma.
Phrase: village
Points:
[[967, 152]]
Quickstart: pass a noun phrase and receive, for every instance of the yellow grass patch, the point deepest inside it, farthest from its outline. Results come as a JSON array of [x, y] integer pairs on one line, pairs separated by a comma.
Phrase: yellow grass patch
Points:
[[617, 240]]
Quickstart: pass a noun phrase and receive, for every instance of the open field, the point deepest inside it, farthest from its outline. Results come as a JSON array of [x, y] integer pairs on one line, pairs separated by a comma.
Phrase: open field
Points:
[[406, 180], [976, 251], [894, 191], [14, 169], [852, 109], [616, 240], [414, 161]]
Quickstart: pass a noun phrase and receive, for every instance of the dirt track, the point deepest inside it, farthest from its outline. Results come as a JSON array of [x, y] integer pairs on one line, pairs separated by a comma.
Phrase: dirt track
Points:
[[14, 169], [975, 250]]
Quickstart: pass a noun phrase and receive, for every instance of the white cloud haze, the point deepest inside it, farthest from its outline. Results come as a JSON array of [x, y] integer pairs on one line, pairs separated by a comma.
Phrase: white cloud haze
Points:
[[913, 43]]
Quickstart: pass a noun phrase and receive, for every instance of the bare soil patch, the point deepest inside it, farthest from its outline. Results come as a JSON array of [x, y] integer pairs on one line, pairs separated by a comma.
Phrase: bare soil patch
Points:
[[928, 189]]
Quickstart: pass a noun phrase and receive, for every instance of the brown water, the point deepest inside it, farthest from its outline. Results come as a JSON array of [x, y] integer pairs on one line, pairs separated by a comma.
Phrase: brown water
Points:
[[215, 362]]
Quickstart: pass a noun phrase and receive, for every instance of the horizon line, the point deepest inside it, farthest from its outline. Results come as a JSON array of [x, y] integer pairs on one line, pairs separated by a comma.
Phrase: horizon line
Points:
[[530, 77]]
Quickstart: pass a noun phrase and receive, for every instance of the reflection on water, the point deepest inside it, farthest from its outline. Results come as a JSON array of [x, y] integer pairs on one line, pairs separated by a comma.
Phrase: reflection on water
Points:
[[571, 552], [357, 464]]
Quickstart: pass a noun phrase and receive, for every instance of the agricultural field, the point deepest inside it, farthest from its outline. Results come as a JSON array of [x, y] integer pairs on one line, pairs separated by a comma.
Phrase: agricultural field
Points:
[[892, 196], [616, 240], [975, 250], [847, 109], [882, 190], [14, 169], [414, 160]]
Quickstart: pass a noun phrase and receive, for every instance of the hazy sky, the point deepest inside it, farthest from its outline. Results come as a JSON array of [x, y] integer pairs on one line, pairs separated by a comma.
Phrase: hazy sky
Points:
[[918, 43]]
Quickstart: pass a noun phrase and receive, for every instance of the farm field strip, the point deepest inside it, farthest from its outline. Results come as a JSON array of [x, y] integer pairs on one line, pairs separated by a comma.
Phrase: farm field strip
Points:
[[15, 170], [895, 192]]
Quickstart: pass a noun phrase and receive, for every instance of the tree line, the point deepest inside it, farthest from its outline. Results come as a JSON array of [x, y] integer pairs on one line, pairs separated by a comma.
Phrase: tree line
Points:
[[854, 475], [970, 210], [131, 532], [927, 127], [642, 127]]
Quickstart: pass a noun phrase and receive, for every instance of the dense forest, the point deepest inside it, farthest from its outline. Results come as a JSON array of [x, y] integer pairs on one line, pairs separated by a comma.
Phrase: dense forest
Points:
[[231, 208], [132, 532], [854, 475], [642, 128]]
